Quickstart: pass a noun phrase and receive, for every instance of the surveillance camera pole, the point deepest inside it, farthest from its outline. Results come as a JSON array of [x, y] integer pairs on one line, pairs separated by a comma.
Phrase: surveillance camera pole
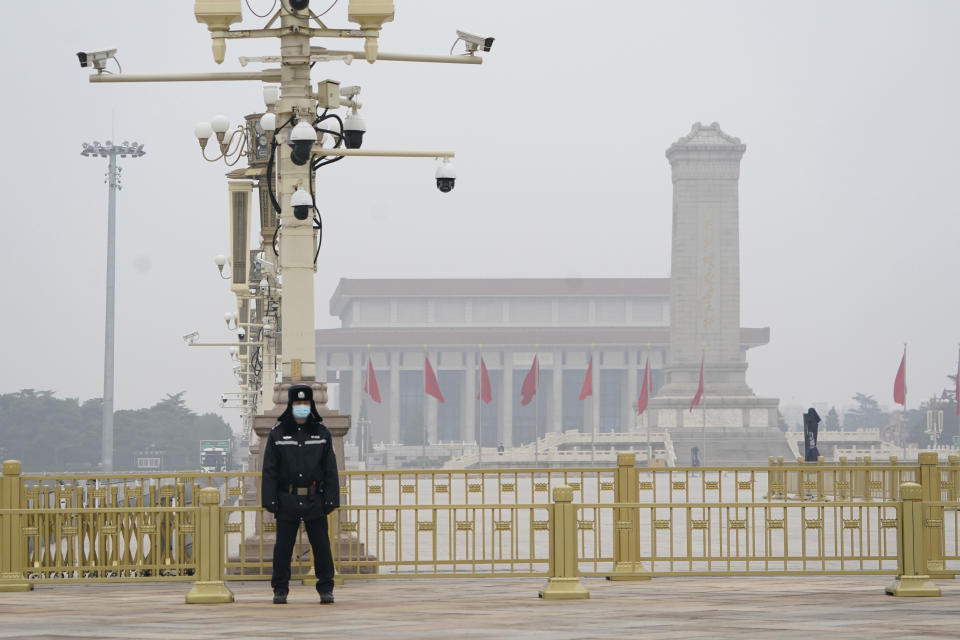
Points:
[[110, 151], [297, 238]]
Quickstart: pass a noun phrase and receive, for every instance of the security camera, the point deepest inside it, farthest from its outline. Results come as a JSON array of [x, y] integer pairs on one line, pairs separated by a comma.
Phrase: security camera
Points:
[[223, 399], [301, 139], [299, 5], [96, 59], [241, 333], [191, 337], [475, 42], [353, 129], [446, 176], [301, 203]]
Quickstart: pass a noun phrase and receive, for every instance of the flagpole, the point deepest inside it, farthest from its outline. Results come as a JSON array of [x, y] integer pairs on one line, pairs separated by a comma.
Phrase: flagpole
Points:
[[536, 419], [903, 443], [423, 453], [703, 406], [479, 407]]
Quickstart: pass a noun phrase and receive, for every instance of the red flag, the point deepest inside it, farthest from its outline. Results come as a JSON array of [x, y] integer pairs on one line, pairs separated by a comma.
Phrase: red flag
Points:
[[696, 398], [370, 386], [529, 387], [587, 388], [900, 383], [644, 390], [486, 391], [430, 385]]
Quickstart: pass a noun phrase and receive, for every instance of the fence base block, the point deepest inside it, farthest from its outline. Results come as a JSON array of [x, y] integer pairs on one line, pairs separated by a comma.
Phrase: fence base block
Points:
[[210, 593], [913, 586], [628, 571], [14, 582], [564, 589]]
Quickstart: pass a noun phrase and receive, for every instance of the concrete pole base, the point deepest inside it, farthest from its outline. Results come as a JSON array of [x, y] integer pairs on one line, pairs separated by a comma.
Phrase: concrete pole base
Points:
[[632, 571], [913, 586], [215, 592], [10, 582], [564, 589]]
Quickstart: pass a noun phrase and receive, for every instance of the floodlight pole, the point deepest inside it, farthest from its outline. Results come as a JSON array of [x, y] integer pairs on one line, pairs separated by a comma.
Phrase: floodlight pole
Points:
[[111, 151], [106, 453]]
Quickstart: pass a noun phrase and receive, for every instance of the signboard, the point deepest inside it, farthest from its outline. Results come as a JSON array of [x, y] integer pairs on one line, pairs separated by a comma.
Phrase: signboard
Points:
[[148, 463], [213, 445]]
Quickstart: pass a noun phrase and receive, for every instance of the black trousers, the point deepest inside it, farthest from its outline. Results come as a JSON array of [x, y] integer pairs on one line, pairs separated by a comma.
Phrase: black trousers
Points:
[[283, 552]]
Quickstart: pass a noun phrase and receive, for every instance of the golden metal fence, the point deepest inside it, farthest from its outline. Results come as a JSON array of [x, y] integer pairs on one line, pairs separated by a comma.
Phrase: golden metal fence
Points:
[[107, 543], [739, 538], [623, 522]]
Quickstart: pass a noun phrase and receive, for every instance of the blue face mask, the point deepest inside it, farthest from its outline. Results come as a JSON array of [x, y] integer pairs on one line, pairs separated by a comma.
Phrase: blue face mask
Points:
[[301, 411]]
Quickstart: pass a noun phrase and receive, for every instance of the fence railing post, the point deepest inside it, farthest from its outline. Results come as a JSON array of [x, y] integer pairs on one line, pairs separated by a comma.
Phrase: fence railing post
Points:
[[954, 461], [866, 480], [208, 552], [11, 531], [911, 558], [932, 514], [563, 583], [626, 524]]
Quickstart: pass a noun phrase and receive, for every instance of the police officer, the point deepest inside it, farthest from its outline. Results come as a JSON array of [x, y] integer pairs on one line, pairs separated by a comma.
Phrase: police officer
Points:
[[300, 484]]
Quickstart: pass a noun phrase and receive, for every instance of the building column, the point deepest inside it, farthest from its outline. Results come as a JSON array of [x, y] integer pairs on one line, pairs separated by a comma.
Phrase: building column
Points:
[[430, 404], [556, 396], [321, 359], [356, 389], [393, 406], [595, 398], [468, 407], [631, 393], [505, 430]]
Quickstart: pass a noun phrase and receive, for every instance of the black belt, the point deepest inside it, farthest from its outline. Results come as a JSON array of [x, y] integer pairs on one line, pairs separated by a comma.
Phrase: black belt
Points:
[[302, 491]]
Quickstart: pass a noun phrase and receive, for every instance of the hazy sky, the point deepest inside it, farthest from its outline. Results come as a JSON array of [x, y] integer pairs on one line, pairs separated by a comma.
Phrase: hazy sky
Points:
[[849, 192]]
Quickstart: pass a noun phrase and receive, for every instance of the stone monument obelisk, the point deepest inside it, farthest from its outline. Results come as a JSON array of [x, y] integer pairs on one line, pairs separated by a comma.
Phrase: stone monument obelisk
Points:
[[705, 290]]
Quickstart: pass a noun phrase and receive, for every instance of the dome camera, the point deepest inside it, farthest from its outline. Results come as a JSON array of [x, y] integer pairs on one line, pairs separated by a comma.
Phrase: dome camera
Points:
[[353, 129], [446, 177], [301, 203], [301, 139], [299, 5]]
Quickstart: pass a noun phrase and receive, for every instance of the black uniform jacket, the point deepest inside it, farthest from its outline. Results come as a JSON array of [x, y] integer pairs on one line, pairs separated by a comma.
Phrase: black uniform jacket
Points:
[[300, 456]]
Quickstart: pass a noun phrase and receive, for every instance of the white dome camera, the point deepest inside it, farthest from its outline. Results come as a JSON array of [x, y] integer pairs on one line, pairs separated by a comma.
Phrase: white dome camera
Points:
[[301, 203], [446, 176], [353, 129], [301, 139]]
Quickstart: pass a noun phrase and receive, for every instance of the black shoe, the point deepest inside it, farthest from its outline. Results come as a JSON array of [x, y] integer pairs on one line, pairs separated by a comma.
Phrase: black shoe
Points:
[[326, 597], [279, 597]]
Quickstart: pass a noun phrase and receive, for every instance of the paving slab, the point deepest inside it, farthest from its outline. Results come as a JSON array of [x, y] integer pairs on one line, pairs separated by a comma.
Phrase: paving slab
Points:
[[737, 607]]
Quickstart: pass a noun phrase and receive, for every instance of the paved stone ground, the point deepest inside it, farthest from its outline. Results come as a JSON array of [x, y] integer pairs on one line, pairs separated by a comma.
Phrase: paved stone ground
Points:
[[748, 607]]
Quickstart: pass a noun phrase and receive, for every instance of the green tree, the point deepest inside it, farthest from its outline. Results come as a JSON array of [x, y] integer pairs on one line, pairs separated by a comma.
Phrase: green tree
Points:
[[832, 421], [867, 414], [62, 434]]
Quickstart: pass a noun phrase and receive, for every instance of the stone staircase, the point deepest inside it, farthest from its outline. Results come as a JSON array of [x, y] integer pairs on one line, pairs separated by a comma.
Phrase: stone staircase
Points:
[[730, 446]]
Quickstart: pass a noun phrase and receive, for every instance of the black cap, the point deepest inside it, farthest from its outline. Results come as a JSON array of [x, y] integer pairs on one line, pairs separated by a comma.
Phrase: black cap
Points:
[[299, 392]]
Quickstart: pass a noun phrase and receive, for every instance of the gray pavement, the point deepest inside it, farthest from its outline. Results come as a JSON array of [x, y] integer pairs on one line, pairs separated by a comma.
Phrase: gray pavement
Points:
[[739, 607]]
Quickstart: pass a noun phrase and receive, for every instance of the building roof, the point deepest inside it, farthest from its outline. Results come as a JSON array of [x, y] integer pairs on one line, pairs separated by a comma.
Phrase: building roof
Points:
[[506, 337], [494, 287]]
